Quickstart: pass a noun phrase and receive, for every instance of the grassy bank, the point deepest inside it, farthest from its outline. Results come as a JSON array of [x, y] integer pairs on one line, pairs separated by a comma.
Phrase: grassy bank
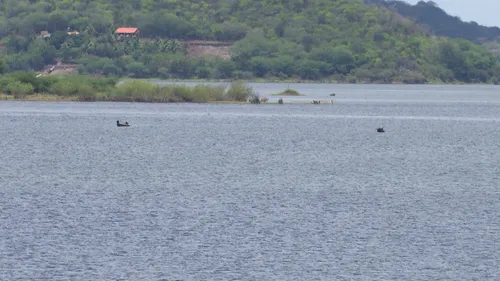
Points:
[[289, 92], [54, 98], [26, 86], [254, 80], [299, 81], [37, 97]]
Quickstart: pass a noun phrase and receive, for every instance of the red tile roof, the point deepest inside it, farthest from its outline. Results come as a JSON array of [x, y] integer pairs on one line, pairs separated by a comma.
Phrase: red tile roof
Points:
[[126, 30]]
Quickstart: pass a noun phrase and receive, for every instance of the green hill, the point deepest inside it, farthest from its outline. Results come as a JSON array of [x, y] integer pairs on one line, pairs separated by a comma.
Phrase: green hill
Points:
[[340, 40], [439, 22]]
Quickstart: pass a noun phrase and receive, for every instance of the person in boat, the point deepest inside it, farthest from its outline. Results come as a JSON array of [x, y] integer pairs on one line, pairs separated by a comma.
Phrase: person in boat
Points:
[[124, 124]]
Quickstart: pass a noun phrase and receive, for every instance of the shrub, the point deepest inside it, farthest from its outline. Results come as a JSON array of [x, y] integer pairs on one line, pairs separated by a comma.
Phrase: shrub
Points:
[[239, 91], [19, 89], [289, 92]]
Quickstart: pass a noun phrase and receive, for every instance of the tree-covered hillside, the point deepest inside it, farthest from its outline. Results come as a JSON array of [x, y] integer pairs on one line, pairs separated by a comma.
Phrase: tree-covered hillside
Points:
[[342, 40], [439, 22]]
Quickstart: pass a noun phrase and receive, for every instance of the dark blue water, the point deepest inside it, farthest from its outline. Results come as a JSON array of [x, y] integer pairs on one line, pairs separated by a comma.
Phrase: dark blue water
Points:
[[252, 192]]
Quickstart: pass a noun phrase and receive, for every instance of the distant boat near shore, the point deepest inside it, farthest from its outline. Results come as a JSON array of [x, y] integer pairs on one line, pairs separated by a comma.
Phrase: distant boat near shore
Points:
[[118, 124]]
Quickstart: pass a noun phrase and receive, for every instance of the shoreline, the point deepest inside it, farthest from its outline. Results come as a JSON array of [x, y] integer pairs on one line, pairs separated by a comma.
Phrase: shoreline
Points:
[[55, 98], [81, 88], [294, 81]]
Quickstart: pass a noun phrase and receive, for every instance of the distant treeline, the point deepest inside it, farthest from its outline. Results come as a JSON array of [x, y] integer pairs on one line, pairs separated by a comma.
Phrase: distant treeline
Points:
[[334, 40], [439, 22]]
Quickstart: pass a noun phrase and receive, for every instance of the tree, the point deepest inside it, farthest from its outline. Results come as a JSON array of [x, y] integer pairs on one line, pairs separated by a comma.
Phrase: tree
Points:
[[339, 59], [3, 66], [137, 69], [452, 57], [223, 69], [57, 21], [260, 66]]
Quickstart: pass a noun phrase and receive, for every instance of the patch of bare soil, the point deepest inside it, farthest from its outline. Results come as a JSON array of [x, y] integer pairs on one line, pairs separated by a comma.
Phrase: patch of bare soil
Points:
[[69, 70], [59, 68], [201, 48], [208, 42], [196, 50]]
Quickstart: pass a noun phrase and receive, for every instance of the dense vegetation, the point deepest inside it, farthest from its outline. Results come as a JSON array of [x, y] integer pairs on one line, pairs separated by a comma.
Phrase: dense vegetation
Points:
[[23, 85], [439, 22], [288, 92], [341, 40]]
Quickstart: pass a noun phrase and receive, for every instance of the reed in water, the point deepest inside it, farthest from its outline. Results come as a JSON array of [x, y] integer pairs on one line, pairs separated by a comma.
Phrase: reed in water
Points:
[[27, 86]]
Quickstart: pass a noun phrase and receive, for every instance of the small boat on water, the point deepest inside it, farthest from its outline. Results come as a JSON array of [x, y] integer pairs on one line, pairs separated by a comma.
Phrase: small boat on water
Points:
[[380, 130], [126, 124]]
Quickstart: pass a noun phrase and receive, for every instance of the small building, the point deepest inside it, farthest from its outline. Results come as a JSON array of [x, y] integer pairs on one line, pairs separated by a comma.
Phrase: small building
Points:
[[126, 32], [73, 32], [44, 34]]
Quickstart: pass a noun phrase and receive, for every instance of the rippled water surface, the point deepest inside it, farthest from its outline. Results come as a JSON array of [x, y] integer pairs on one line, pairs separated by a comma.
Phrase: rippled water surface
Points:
[[255, 192]]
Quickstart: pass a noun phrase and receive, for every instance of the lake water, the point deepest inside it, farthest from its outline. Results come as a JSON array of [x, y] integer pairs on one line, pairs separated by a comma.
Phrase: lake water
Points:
[[255, 192]]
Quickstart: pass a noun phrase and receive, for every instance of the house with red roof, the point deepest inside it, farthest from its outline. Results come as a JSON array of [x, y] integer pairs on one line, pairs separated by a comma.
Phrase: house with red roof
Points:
[[126, 32]]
